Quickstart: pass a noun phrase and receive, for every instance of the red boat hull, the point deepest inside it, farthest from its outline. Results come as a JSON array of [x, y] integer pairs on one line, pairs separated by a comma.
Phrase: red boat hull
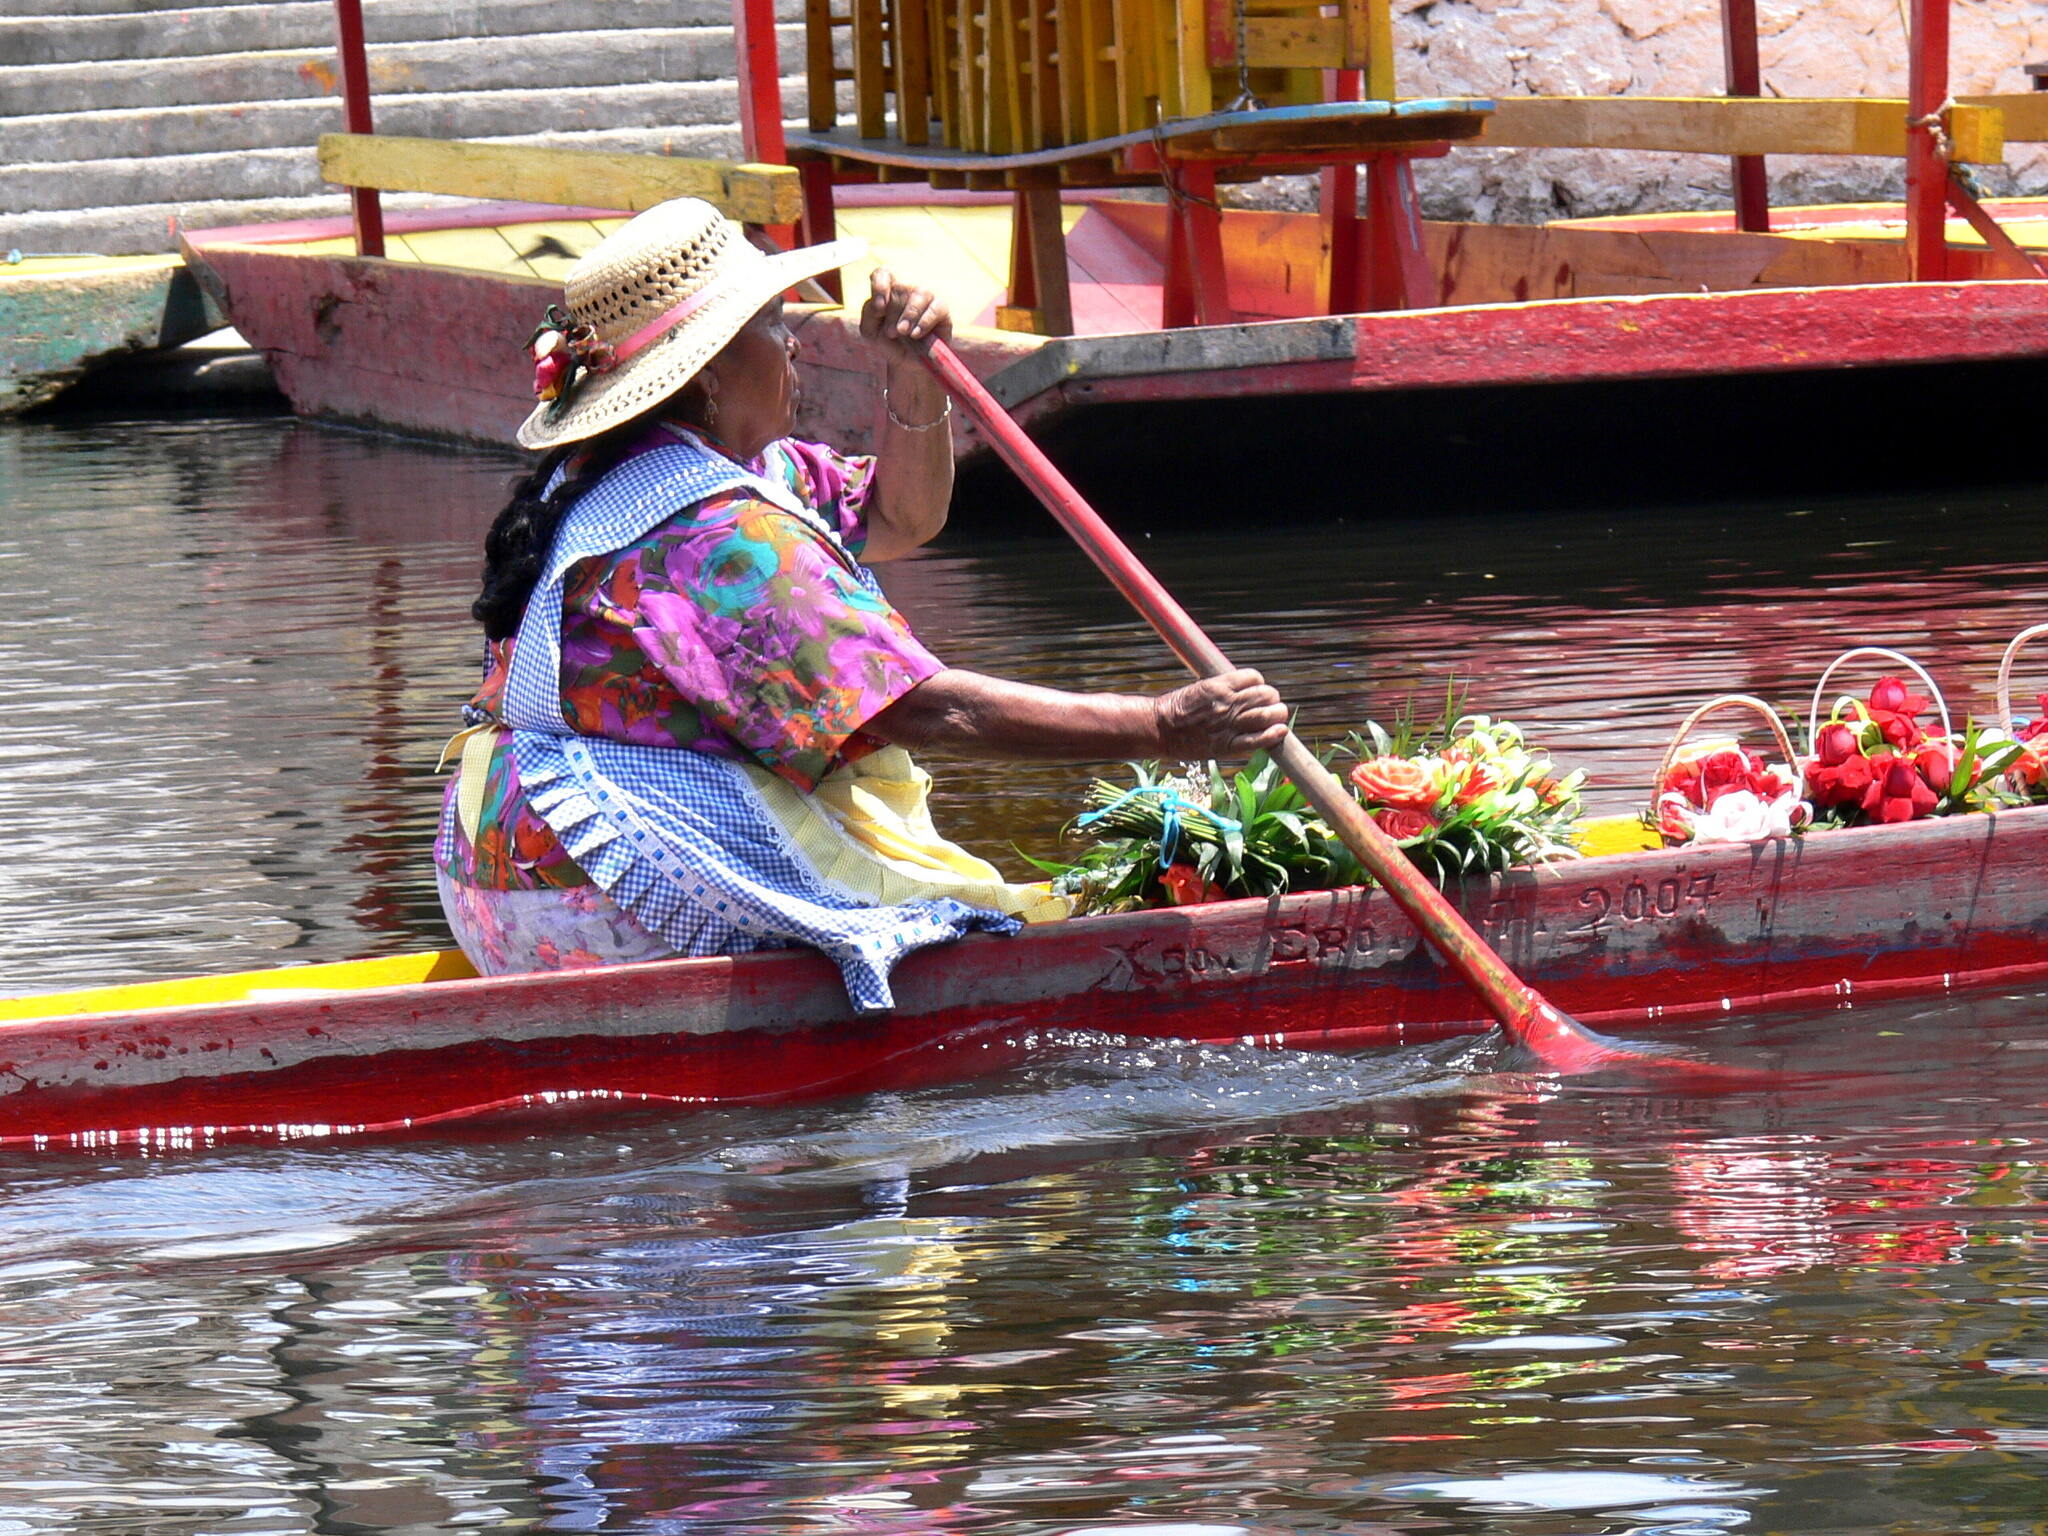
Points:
[[1641, 941]]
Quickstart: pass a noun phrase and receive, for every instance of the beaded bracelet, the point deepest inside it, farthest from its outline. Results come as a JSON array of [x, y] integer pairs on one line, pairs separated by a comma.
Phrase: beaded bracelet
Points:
[[915, 426]]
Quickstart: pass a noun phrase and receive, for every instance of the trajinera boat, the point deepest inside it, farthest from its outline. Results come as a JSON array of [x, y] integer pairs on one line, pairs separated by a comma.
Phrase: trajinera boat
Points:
[[1012, 162], [1645, 940]]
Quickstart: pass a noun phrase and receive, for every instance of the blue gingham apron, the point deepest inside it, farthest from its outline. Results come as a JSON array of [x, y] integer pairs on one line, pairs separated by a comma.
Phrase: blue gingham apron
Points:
[[680, 839]]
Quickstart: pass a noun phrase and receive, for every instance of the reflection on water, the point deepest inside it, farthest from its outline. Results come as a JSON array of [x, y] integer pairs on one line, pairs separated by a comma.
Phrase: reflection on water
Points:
[[1115, 1293], [1132, 1291]]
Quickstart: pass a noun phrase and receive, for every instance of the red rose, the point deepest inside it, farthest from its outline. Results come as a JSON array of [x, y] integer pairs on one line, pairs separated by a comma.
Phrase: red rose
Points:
[[1897, 713], [1723, 772], [1684, 779], [1400, 823], [1891, 696], [1897, 792], [1843, 784], [1937, 764], [1185, 886], [1835, 744], [1396, 781], [1768, 783]]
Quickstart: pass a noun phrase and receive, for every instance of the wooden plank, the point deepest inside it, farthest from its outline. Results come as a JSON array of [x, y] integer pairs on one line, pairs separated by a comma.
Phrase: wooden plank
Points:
[[1723, 126], [870, 71], [821, 95], [971, 70], [1375, 48], [944, 43], [909, 31], [755, 194], [2025, 115], [1294, 42], [1190, 44], [1042, 62]]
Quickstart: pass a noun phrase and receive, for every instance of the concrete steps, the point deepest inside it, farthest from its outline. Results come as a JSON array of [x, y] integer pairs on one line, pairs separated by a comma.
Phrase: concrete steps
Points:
[[127, 119]]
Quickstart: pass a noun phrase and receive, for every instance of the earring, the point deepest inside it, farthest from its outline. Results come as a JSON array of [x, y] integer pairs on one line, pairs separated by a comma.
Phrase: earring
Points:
[[710, 410]]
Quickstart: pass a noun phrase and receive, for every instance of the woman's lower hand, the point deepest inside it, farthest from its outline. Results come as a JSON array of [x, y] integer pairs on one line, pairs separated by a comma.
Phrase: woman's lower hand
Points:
[[897, 315], [1232, 715]]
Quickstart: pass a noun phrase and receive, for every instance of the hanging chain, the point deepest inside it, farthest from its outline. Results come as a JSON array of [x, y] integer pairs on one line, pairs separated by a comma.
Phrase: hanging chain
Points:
[[1246, 100]]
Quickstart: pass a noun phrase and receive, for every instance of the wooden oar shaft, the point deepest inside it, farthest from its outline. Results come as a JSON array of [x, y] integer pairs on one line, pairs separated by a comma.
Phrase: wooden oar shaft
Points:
[[1507, 997]]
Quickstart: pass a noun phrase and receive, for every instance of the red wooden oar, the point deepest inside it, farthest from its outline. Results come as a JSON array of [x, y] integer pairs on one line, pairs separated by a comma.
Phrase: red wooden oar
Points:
[[1558, 1041]]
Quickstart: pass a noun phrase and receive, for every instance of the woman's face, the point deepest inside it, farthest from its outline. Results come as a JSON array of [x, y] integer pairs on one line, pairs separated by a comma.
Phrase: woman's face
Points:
[[753, 381]]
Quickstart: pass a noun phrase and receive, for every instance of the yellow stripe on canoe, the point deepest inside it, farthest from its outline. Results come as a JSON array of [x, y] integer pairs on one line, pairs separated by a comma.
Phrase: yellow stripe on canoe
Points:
[[279, 983], [1599, 837]]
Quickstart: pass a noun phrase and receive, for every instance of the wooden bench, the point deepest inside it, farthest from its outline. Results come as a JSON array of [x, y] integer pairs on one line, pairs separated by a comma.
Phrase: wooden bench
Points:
[[519, 173]]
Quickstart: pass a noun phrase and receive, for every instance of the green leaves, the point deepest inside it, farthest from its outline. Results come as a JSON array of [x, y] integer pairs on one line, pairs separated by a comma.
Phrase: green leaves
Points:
[[1250, 833]]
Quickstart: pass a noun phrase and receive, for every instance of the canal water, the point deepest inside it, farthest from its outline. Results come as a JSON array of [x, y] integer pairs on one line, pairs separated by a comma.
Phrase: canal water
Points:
[[1158, 1292]]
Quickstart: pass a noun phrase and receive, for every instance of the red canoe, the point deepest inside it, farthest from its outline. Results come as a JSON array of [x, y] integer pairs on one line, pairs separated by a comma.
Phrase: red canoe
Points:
[[1632, 941]]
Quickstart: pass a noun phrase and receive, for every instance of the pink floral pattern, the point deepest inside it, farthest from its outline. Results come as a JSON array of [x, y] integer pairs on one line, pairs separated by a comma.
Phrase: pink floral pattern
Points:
[[736, 629]]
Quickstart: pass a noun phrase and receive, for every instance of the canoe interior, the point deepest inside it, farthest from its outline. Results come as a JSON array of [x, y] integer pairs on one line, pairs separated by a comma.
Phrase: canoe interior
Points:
[[1640, 941]]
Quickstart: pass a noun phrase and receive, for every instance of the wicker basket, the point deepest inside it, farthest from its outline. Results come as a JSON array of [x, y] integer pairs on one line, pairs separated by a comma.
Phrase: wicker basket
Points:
[[1725, 701]]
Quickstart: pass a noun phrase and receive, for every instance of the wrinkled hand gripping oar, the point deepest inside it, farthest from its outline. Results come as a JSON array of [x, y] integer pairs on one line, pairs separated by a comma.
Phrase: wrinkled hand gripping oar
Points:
[[1559, 1042]]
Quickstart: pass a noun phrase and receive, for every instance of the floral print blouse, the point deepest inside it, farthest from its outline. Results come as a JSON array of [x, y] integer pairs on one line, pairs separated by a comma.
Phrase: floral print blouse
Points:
[[735, 628]]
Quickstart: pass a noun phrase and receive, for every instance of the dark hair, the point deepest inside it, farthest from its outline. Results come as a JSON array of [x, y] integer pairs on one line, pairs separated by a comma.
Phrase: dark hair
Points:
[[517, 545]]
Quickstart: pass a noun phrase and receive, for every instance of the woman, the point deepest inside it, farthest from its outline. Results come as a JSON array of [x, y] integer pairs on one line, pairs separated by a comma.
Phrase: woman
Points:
[[689, 739]]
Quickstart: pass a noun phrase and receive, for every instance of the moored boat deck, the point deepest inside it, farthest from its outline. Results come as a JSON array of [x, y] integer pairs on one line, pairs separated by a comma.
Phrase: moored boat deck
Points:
[[62, 314], [427, 341]]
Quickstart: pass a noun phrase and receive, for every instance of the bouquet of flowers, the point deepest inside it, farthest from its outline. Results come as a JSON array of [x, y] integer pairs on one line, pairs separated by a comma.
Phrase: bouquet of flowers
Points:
[[1721, 791], [1873, 762], [1466, 795], [1469, 797], [1725, 793]]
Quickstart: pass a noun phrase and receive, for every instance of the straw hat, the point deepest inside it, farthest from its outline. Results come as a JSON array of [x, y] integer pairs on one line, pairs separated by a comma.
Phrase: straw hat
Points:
[[652, 303]]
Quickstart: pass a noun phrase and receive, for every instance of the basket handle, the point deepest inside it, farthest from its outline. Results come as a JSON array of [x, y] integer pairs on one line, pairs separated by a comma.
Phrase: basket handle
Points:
[[1725, 701], [2012, 654], [1820, 688]]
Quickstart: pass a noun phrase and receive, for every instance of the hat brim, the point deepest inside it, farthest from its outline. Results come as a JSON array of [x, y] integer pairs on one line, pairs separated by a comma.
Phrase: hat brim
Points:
[[600, 401]]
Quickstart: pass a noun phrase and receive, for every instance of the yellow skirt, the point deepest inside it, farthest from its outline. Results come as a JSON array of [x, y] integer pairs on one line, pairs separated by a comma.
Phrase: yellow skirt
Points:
[[867, 829]]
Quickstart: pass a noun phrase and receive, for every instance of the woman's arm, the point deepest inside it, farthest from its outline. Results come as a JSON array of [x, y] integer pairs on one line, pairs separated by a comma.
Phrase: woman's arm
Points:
[[976, 716], [913, 442]]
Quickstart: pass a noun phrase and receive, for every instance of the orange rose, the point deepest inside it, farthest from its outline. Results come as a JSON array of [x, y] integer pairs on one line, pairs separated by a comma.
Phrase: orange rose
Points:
[[1401, 824], [1396, 782]]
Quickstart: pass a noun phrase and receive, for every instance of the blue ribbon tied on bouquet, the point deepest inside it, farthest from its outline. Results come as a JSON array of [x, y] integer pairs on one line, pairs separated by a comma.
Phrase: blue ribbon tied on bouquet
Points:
[[1171, 804]]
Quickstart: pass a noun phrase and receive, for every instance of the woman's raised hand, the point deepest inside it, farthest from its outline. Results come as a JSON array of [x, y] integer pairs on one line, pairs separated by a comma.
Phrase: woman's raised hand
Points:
[[1227, 716], [897, 314]]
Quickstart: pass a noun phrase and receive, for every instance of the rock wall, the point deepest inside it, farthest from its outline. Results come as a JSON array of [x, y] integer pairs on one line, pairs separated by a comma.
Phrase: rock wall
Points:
[[1673, 48]]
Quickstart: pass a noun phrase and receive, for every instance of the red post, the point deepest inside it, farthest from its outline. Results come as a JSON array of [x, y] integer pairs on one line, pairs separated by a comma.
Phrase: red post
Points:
[[760, 68], [1341, 227], [821, 217], [1196, 290], [1927, 147], [367, 208], [1397, 274], [1745, 78], [760, 71]]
